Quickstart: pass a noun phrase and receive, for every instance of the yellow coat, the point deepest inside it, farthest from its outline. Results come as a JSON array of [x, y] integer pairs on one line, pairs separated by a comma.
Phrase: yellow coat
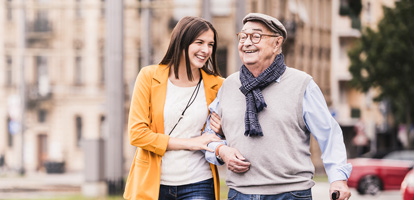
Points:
[[146, 130]]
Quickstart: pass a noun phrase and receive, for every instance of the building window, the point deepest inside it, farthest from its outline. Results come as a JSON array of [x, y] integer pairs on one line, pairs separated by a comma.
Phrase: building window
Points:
[[41, 116], [368, 12], [42, 77], [78, 76], [41, 23], [102, 127], [222, 61], [9, 10], [221, 8], [41, 68], [78, 9], [9, 71], [102, 69], [79, 131], [355, 113], [9, 132], [103, 8]]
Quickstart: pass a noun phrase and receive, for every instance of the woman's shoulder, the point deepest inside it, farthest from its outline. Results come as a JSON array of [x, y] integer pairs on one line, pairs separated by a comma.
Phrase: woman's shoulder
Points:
[[152, 68]]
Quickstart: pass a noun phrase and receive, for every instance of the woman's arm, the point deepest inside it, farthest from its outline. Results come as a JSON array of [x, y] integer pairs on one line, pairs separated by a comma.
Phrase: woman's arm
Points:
[[140, 133], [196, 143]]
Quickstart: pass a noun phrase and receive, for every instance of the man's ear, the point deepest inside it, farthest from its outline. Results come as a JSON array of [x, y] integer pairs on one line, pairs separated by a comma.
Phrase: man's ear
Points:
[[278, 44]]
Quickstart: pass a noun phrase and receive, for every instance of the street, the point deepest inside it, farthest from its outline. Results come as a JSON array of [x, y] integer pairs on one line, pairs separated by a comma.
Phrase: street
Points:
[[320, 192], [39, 186]]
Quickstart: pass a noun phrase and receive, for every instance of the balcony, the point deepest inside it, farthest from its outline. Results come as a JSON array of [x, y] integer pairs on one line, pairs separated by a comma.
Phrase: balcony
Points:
[[38, 33], [38, 93]]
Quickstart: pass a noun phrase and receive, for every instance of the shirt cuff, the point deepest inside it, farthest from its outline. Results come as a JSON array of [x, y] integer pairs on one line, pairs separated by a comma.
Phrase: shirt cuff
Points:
[[211, 156], [341, 173]]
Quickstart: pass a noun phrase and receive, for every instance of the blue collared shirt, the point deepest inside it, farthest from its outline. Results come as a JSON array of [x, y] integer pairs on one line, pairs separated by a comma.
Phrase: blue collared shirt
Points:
[[320, 123]]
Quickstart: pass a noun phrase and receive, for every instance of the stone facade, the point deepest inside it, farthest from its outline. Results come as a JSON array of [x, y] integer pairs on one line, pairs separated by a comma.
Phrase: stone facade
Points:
[[64, 64]]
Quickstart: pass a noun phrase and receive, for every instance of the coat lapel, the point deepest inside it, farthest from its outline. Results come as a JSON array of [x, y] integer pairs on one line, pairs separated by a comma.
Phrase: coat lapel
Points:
[[210, 86], [158, 95]]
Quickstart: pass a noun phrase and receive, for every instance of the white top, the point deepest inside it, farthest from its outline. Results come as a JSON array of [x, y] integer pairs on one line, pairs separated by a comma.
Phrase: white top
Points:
[[183, 166]]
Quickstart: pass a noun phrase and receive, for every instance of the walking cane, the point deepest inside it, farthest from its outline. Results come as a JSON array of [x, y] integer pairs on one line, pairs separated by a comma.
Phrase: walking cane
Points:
[[335, 195]]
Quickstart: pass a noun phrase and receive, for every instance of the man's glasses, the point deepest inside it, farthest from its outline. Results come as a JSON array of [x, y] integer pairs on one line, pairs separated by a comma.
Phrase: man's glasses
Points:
[[254, 37]]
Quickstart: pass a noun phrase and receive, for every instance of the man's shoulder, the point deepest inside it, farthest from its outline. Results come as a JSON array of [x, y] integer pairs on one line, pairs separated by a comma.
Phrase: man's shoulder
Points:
[[297, 73], [233, 77]]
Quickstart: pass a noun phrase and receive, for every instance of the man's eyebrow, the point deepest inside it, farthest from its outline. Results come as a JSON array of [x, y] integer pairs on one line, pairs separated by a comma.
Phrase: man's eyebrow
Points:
[[255, 29]]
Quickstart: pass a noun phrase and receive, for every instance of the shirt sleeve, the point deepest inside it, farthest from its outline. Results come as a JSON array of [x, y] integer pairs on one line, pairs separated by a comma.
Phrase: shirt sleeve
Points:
[[327, 133], [211, 156]]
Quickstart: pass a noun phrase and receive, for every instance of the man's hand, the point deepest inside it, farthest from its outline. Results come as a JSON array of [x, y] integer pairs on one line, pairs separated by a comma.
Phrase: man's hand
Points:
[[342, 187], [215, 123], [235, 162]]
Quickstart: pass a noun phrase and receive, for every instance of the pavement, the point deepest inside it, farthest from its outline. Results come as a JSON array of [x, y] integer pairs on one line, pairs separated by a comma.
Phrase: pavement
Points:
[[39, 185], [54, 186]]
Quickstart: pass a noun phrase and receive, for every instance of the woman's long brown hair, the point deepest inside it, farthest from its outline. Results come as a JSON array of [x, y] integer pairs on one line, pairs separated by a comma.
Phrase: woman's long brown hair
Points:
[[183, 34]]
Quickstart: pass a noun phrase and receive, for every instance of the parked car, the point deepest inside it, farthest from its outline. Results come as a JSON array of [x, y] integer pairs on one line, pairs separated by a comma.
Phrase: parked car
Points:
[[407, 186], [371, 175]]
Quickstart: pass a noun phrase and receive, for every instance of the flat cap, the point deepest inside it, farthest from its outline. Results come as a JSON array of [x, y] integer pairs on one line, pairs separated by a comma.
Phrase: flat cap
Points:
[[272, 23]]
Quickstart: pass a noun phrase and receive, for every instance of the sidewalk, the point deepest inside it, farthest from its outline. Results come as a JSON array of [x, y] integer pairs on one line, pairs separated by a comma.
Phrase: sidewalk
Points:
[[39, 185]]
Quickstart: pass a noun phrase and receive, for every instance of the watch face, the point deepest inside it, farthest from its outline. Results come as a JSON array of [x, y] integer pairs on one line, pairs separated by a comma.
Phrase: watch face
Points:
[[219, 159]]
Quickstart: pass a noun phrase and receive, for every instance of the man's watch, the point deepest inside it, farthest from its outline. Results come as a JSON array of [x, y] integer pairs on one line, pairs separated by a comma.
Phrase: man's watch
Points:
[[218, 157]]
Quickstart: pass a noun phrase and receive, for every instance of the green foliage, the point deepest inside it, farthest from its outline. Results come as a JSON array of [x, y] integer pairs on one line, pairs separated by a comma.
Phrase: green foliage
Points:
[[384, 59]]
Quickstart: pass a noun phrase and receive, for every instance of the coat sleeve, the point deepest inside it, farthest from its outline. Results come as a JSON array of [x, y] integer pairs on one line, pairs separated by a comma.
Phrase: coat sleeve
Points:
[[139, 122]]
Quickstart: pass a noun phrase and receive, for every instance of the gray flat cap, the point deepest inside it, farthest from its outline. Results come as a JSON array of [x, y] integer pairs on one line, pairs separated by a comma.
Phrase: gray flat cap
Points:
[[272, 23]]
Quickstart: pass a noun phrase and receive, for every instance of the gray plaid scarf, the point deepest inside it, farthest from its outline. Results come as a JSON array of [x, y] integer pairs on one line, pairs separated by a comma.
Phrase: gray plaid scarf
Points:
[[252, 88]]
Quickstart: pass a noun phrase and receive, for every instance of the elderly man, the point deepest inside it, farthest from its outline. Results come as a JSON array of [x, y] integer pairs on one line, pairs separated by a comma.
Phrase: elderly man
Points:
[[268, 111]]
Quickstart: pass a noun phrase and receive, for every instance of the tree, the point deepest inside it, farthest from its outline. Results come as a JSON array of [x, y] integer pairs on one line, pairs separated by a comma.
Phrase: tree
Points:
[[384, 59]]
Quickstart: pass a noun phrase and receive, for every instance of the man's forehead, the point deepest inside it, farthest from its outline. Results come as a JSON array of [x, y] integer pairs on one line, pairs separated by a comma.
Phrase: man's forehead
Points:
[[253, 26]]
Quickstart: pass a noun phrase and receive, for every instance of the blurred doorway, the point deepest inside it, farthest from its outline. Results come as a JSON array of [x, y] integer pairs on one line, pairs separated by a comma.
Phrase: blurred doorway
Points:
[[41, 151]]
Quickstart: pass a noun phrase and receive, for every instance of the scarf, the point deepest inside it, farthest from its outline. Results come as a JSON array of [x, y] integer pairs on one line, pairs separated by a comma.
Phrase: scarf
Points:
[[252, 88]]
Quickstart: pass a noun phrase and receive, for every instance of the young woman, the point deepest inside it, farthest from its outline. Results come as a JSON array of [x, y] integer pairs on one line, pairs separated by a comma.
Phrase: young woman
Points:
[[169, 108]]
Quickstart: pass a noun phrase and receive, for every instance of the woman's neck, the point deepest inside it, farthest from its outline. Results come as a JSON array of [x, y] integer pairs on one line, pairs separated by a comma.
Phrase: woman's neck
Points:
[[183, 78]]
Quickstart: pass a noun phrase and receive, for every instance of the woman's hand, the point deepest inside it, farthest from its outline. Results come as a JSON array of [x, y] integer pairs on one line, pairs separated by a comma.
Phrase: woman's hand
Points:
[[200, 142], [215, 123]]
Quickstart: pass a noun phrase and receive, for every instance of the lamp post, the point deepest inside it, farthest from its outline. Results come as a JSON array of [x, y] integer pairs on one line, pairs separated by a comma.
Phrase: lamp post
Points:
[[22, 47], [114, 64]]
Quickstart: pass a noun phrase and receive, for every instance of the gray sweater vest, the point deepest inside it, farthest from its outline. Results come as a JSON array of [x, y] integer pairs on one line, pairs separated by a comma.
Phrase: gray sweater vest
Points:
[[280, 159]]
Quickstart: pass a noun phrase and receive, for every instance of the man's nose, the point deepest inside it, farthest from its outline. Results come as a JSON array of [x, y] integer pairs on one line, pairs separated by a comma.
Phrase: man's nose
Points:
[[248, 40]]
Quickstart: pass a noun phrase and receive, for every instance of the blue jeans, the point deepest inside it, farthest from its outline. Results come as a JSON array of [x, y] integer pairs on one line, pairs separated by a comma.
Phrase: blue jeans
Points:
[[294, 195], [203, 190]]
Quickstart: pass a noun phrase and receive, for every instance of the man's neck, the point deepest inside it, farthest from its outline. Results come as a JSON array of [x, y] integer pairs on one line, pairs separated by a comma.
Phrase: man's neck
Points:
[[256, 70]]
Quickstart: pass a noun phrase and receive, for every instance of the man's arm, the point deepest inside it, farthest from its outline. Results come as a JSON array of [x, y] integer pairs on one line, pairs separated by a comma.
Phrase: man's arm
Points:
[[328, 134], [211, 156], [230, 156]]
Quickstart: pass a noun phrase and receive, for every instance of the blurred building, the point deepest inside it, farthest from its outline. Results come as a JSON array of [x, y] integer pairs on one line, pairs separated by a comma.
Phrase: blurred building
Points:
[[356, 111], [63, 77], [64, 64]]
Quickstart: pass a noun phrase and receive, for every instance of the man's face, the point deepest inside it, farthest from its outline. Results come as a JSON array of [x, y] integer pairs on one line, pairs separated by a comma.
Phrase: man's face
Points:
[[261, 54]]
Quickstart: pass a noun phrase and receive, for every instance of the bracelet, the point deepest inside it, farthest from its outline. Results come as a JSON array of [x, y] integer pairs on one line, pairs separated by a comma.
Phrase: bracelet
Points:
[[218, 157], [218, 148]]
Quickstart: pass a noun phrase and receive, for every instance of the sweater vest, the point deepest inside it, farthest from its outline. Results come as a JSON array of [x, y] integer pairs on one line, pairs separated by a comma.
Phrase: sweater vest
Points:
[[280, 159]]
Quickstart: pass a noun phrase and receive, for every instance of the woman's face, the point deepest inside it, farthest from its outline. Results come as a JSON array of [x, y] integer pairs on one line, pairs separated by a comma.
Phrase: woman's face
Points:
[[200, 50]]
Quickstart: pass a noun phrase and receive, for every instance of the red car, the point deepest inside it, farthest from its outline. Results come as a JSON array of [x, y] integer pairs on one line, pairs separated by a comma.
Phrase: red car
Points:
[[369, 176], [407, 186]]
